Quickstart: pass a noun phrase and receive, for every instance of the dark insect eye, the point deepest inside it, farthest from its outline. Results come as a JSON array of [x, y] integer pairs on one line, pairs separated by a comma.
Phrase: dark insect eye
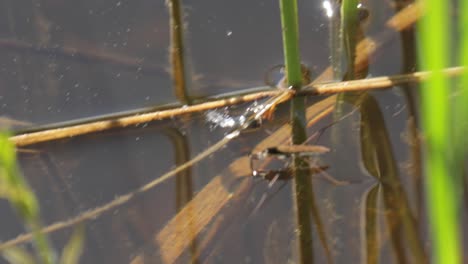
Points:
[[363, 13], [273, 151], [254, 125]]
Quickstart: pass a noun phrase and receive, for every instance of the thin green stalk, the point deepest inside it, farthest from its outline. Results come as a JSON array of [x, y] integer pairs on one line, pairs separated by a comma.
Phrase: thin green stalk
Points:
[[349, 35], [461, 107], [302, 184], [14, 188], [349, 27], [436, 114], [290, 31]]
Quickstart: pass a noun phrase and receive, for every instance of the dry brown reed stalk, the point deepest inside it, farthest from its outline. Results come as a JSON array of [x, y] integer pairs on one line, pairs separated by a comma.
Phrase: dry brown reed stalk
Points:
[[119, 122], [376, 83], [314, 89]]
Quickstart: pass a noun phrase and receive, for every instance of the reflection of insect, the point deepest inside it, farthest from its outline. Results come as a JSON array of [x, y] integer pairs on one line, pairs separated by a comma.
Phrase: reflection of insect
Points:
[[282, 84], [281, 98], [274, 163]]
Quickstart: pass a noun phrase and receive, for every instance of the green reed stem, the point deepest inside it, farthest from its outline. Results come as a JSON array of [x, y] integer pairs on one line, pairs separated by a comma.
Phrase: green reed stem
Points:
[[302, 184], [461, 104], [349, 27], [436, 114], [14, 188], [290, 31]]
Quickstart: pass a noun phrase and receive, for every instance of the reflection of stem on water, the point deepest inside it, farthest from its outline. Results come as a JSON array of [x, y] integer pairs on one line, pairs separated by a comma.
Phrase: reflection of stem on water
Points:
[[409, 65], [349, 35], [184, 184], [319, 226], [302, 187], [370, 225], [182, 155], [378, 159], [302, 184], [358, 48]]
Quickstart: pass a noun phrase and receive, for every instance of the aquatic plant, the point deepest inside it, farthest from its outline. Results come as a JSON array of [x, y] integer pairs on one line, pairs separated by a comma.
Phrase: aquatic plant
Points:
[[14, 188], [443, 124]]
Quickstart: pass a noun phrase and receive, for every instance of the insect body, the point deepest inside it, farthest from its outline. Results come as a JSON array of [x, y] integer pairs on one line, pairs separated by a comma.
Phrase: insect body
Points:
[[274, 163]]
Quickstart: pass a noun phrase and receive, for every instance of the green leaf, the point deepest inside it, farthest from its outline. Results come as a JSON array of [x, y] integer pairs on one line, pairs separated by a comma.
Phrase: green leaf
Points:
[[437, 115], [74, 248], [17, 255]]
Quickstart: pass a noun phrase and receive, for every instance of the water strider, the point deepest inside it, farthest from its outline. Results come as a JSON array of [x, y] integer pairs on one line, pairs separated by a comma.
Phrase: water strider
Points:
[[275, 162]]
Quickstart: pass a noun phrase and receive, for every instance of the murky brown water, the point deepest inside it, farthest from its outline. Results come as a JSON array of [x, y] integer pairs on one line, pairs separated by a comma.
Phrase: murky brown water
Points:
[[92, 58]]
